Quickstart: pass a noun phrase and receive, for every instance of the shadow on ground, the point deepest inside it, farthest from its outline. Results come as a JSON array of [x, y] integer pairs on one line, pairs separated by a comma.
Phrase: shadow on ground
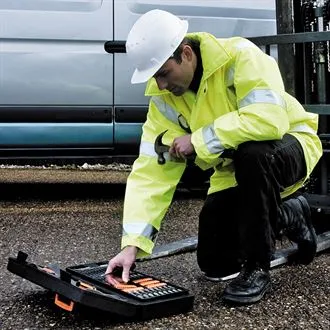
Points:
[[60, 191]]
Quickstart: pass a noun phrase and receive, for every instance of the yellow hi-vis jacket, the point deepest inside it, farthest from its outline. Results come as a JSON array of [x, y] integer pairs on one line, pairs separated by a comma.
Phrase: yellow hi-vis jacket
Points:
[[241, 98]]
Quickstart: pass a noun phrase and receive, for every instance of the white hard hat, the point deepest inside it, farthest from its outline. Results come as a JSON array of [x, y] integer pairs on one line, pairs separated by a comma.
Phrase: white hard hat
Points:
[[152, 40]]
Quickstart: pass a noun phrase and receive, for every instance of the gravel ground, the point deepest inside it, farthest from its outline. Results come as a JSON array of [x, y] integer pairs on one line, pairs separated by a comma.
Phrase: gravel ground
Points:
[[70, 216]]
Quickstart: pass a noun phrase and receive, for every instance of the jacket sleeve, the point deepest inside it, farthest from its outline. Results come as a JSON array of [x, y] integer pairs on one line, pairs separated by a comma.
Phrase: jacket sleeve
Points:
[[150, 186], [261, 110]]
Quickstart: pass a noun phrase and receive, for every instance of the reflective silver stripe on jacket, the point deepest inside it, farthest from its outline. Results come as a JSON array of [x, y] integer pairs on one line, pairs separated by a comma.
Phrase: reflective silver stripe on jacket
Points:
[[211, 140], [245, 44], [172, 115], [148, 149], [230, 77], [142, 229], [262, 96], [231, 71], [302, 128]]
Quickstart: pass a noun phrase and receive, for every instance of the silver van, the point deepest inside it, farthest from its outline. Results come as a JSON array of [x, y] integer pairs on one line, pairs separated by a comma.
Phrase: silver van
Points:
[[62, 96]]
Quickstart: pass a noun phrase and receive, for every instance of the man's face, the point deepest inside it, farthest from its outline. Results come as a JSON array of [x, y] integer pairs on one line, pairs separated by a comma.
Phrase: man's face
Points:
[[175, 77]]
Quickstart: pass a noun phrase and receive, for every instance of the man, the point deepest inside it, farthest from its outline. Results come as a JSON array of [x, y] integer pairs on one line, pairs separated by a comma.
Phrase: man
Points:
[[223, 102]]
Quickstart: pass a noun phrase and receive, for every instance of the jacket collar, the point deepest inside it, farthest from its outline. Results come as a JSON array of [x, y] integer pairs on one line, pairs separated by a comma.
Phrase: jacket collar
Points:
[[213, 54]]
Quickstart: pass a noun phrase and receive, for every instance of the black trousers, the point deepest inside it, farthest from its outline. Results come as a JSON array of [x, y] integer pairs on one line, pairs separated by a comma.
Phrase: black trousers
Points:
[[240, 224]]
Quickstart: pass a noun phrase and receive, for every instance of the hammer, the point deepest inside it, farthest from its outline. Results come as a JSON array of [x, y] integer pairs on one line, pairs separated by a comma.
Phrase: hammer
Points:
[[160, 148]]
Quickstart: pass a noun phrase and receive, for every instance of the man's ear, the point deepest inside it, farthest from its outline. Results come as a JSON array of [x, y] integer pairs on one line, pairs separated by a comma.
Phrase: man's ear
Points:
[[187, 52]]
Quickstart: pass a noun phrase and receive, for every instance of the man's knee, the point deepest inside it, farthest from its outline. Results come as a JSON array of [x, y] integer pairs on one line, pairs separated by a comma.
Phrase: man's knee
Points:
[[252, 158], [252, 150]]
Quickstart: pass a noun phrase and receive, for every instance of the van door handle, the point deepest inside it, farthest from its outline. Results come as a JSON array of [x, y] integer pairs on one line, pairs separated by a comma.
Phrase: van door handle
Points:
[[115, 47]]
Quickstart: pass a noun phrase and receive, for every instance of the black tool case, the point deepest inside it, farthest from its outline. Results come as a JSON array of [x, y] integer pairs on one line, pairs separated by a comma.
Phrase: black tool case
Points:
[[85, 285]]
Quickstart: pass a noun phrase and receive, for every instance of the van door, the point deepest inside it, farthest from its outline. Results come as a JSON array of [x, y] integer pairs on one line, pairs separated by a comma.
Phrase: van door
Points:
[[56, 92], [130, 104]]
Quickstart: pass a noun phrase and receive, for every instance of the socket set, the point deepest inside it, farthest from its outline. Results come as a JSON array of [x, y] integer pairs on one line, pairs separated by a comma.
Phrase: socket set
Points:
[[140, 286], [143, 297]]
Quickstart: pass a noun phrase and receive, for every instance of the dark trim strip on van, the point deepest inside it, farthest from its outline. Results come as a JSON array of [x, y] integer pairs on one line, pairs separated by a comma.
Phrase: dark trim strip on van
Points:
[[131, 114], [55, 114]]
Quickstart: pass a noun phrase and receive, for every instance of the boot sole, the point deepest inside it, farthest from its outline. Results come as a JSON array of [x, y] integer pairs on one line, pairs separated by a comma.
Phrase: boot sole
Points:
[[307, 252], [218, 278], [246, 299]]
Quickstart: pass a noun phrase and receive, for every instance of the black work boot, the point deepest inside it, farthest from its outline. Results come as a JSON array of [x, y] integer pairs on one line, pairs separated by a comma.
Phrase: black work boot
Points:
[[296, 224], [249, 286]]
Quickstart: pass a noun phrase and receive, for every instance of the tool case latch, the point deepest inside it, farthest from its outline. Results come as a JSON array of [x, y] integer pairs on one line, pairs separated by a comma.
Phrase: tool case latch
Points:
[[68, 306]]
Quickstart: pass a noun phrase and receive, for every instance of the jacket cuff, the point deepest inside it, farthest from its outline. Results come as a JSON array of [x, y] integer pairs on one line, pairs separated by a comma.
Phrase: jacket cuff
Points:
[[144, 245], [204, 158]]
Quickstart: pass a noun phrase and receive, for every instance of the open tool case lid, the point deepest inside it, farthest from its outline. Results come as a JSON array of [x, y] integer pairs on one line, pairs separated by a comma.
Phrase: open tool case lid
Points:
[[144, 297]]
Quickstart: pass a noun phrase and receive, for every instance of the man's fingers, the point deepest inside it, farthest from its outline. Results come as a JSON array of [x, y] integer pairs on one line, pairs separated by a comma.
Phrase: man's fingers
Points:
[[125, 275], [173, 152], [176, 151], [123, 261], [111, 280], [110, 268], [108, 276]]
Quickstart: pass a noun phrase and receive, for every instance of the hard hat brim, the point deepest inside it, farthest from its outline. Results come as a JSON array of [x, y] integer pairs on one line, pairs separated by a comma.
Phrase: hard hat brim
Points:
[[141, 76]]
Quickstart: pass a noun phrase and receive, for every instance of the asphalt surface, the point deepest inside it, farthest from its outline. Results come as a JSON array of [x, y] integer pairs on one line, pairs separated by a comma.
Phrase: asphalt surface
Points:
[[69, 217]]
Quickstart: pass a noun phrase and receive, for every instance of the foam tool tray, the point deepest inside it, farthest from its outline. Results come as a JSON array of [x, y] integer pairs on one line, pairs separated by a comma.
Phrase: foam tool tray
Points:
[[143, 297]]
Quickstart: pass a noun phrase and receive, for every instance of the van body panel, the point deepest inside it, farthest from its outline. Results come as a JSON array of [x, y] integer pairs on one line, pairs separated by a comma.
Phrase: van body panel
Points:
[[221, 18], [55, 135], [53, 69], [124, 92], [61, 92], [57, 19], [58, 76], [128, 126], [126, 135]]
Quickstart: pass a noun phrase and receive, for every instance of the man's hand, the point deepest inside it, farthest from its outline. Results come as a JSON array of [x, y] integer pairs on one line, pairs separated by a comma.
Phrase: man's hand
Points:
[[182, 147], [124, 259]]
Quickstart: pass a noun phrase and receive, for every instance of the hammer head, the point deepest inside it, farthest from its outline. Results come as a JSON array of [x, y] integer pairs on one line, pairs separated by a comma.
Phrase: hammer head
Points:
[[160, 148]]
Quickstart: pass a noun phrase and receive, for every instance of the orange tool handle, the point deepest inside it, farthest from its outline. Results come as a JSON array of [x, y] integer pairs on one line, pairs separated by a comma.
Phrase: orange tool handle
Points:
[[85, 286], [141, 280], [147, 283]]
